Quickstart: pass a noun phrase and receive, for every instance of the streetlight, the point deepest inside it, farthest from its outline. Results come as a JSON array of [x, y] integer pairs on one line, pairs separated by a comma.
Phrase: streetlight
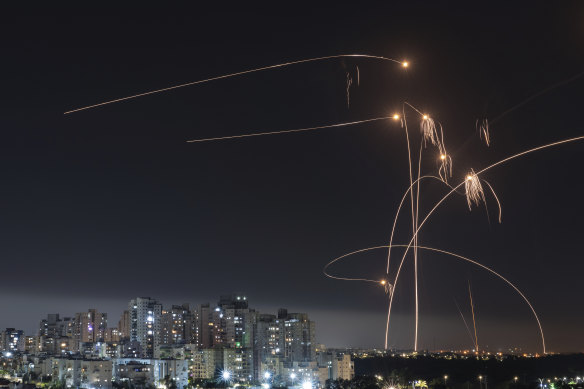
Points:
[[480, 381], [515, 379], [445, 378], [293, 377]]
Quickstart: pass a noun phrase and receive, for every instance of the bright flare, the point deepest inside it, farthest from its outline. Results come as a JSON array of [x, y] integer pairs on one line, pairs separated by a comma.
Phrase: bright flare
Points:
[[396, 117], [405, 64]]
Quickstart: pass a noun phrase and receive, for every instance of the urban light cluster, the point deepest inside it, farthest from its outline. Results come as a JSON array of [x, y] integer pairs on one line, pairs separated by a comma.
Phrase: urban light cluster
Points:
[[156, 343]]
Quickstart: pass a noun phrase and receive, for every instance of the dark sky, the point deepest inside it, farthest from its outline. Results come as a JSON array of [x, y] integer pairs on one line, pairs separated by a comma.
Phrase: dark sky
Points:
[[108, 204]]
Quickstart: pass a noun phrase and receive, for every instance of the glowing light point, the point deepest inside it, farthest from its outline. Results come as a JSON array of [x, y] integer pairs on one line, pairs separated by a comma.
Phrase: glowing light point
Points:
[[267, 375], [383, 282], [226, 375], [307, 385], [405, 64], [425, 117], [293, 376], [396, 117], [443, 157]]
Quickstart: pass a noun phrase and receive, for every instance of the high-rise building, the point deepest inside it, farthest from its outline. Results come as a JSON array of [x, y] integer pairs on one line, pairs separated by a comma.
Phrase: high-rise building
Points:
[[90, 326], [12, 340], [298, 343], [145, 324], [205, 326], [233, 322], [289, 335], [177, 325], [50, 326], [124, 325]]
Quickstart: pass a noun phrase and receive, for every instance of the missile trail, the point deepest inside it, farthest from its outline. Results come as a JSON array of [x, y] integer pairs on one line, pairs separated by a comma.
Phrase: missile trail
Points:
[[234, 75], [578, 138], [288, 131], [459, 257]]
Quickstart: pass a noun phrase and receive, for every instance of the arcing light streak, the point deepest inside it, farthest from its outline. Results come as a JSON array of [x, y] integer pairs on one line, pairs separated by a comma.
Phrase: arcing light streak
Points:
[[290, 131], [496, 198], [459, 257], [399, 210], [233, 75], [453, 191]]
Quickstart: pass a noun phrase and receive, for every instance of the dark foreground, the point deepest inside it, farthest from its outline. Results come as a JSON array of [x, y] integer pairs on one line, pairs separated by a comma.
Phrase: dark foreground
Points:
[[448, 371]]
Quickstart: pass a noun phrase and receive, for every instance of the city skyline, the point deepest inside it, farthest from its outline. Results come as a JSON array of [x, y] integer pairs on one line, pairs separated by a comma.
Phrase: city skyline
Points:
[[113, 202]]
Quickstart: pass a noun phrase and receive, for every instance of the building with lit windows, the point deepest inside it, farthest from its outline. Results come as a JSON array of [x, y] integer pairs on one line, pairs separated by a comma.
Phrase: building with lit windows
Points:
[[12, 340], [145, 324]]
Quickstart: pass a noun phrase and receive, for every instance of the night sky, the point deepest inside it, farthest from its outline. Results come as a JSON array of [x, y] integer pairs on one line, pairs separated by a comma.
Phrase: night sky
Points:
[[105, 205]]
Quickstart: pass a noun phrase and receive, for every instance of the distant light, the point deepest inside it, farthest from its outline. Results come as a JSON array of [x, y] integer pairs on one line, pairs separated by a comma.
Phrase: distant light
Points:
[[425, 117], [307, 385], [226, 375], [267, 375], [443, 157], [396, 117], [468, 178], [293, 376], [265, 385], [383, 282], [405, 64]]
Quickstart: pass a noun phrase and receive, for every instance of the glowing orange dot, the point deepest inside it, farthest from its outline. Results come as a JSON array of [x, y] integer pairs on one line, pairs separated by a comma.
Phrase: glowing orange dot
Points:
[[469, 177], [383, 282], [395, 117], [443, 157], [405, 64], [425, 117]]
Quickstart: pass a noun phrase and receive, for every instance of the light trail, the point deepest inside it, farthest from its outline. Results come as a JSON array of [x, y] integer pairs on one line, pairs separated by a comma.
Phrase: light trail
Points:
[[496, 198], [542, 92], [412, 206], [289, 131], [453, 191], [459, 257], [416, 250], [429, 134], [399, 211], [234, 75], [465, 323], [474, 323]]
